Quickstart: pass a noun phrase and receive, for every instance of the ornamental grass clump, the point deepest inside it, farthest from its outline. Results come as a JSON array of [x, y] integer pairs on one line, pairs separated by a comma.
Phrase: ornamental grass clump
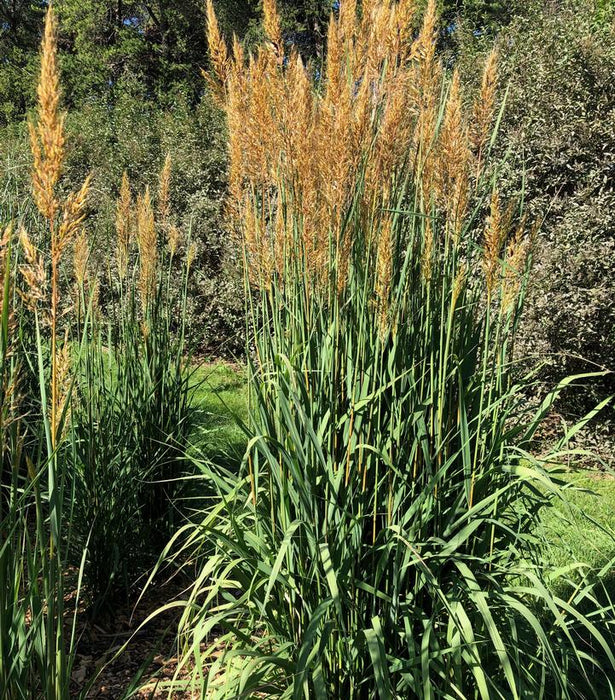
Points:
[[37, 633], [132, 415], [380, 540]]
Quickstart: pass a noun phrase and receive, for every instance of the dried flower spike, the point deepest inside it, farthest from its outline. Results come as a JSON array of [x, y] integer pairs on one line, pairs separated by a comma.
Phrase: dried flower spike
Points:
[[148, 249], [164, 192], [47, 136], [33, 272]]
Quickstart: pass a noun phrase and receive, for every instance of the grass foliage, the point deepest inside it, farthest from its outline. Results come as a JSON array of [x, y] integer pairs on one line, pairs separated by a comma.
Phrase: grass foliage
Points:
[[381, 539], [95, 410]]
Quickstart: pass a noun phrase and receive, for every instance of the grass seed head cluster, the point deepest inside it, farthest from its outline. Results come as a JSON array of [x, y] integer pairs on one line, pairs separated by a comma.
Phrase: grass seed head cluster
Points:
[[380, 105], [381, 536]]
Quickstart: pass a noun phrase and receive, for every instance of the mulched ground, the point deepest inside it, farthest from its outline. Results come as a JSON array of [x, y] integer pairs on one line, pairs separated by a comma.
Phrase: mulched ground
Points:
[[149, 653]]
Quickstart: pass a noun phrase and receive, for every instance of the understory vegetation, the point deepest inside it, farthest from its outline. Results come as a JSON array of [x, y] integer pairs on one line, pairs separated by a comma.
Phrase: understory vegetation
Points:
[[308, 354]]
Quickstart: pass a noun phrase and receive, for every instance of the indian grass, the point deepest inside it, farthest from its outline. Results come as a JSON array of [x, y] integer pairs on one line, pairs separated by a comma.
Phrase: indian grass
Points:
[[38, 637], [94, 407], [133, 413], [380, 539]]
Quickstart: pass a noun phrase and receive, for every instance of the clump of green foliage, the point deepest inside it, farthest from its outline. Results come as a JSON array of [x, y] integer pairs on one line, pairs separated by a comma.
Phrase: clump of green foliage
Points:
[[559, 137], [381, 538]]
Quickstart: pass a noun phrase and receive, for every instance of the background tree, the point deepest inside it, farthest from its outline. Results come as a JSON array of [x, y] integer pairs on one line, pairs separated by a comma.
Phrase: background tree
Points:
[[558, 61], [21, 23]]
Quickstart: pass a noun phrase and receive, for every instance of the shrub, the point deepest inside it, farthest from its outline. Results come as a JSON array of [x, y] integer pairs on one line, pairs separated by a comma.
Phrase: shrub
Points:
[[558, 131]]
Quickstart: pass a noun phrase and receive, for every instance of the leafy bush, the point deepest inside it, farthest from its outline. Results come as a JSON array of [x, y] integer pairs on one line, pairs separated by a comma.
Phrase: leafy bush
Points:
[[559, 133]]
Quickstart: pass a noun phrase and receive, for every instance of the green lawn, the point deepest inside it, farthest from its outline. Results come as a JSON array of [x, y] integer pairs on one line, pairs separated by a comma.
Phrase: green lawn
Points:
[[221, 396], [583, 531]]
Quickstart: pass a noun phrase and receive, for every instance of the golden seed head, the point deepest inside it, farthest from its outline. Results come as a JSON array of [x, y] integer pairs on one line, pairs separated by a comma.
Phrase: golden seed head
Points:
[[272, 26], [47, 135], [164, 191], [148, 248], [458, 285], [191, 254], [73, 216], [494, 237], [5, 242], [484, 105], [516, 258], [33, 272], [297, 148], [173, 239], [218, 52], [453, 159]]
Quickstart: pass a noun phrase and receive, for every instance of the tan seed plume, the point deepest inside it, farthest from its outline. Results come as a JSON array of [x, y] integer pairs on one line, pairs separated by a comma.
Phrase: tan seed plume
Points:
[[516, 258], [484, 106], [164, 192], [33, 273], [47, 135], [298, 144], [73, 216], [218, 52], [148, 248], [494, 237], [272, 26]]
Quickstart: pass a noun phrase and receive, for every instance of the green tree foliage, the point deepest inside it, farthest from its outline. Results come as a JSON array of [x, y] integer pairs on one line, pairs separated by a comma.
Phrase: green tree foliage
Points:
[[160, 44], [559, 132], [20, 26], [480, 14]]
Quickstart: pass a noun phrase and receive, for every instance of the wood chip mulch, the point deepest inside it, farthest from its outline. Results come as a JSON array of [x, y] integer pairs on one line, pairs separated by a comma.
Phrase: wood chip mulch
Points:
[[112, 654]]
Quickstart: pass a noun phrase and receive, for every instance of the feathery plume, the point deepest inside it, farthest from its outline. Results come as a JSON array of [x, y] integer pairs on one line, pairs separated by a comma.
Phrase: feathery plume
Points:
[[347, 21], [498, 226], [47, 135], [297, 147], [33, 272], [405, 13], [453, 159], [458, 285], [191, 255], [73, 216], [484, 105], [173, 239], [271, 24], [164, 192], [148, 249], [218, 52], [428, 81]]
